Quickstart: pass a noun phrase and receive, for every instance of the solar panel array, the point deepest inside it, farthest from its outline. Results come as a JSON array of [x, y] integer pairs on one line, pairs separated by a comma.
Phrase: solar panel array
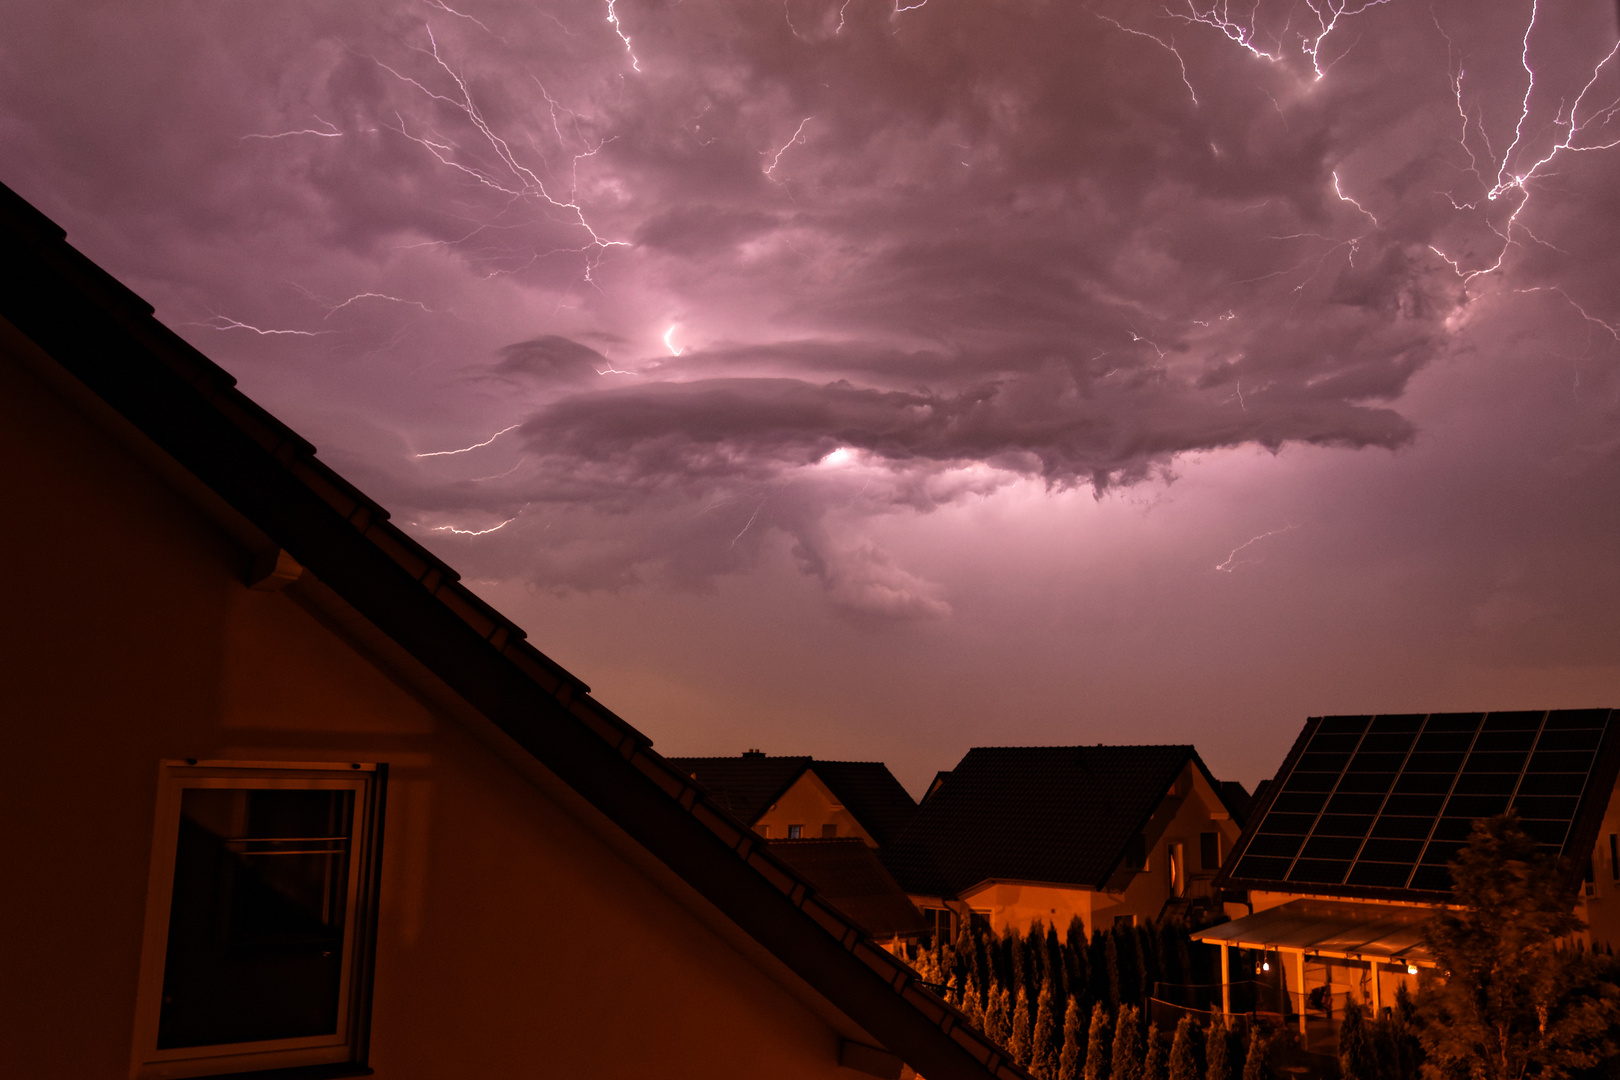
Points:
[[1387, 801]]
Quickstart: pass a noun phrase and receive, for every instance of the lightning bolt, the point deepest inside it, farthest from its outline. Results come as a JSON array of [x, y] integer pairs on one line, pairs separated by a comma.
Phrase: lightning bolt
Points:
[[613, 17], [333, 134], [670, 345], [1231, 563], [516, 180], [472, 532], [474, 446], [797, 136], [220, 322], [1169, 46], [1339, 191], [375, 296]]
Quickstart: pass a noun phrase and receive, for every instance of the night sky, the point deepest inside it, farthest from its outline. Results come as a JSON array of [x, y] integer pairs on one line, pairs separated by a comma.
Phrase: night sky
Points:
[[876, 381]]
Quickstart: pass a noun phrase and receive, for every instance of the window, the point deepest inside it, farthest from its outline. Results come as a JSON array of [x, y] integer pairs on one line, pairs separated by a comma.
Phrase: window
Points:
[[939, 923], [1209, 851], [795, 832], [260, 918], [1177, 868], [829, 831]]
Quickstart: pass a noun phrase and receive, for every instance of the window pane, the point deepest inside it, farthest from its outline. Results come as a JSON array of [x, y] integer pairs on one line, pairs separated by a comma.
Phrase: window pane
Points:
[[256, 923]]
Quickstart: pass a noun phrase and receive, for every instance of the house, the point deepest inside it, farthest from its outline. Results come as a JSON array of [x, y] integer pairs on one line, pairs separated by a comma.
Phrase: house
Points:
[[793, 798], [285, 796], [1348, 848], [1103, 833]]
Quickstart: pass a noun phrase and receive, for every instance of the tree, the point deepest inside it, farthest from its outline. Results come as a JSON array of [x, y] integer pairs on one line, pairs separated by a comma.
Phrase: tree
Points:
[[1517, 999], [1073, 1058], [998, 1018], [1154, 1064], [1098, 1055], [972, 1007], [1127, 1055], [1358, 1050], [1020, 1045], [1254, 1062], [1183, 1056], [1043, 1056], [1217, 1048]]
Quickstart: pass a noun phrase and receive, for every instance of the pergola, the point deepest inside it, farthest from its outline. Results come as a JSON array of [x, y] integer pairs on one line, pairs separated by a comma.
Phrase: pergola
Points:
[[1331, 929]]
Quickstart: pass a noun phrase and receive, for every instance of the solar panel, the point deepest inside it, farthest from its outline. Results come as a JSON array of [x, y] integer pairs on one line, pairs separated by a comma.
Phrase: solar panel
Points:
[[1388, 801]]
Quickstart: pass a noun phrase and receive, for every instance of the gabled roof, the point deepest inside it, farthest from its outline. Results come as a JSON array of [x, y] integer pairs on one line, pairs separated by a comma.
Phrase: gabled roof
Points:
[[748, 785], [847, 872], [100, 342], [1058, 814], [1376, 806]]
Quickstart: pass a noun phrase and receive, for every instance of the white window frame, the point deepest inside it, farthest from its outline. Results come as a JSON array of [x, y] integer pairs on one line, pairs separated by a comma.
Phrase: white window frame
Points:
[[347, 1045]]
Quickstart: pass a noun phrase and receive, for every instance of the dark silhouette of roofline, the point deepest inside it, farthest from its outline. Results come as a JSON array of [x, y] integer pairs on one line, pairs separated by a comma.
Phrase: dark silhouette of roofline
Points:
[[106, 338]]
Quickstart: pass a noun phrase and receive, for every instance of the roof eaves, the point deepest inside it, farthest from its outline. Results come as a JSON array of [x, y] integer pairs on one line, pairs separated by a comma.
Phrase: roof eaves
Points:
[[1125, 839], [189, 408]]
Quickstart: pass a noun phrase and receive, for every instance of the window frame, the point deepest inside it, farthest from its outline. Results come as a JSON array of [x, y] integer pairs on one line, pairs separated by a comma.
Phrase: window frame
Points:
[[345, 1051]]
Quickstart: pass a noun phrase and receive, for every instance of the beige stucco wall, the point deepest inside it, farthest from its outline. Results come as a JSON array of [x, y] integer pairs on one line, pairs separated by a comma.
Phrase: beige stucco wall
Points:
[[811, 803], [513, 942]]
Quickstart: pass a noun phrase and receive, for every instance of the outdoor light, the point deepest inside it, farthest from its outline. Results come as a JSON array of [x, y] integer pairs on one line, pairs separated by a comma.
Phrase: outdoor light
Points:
[[1265, 965], [1411, 969]]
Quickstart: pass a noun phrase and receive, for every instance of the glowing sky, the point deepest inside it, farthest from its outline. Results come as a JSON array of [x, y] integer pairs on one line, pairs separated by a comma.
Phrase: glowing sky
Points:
[[876, 381]]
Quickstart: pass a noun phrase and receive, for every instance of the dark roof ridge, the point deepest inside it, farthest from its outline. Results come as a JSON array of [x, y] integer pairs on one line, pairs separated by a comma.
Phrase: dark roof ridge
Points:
[[190, 409]]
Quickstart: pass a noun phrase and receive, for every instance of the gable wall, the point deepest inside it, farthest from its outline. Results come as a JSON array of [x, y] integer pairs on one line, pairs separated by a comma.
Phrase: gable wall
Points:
[[512, 941], [808, 801]]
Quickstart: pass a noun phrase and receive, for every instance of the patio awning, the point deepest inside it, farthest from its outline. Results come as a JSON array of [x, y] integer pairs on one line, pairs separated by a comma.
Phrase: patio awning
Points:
[[1341, 929]]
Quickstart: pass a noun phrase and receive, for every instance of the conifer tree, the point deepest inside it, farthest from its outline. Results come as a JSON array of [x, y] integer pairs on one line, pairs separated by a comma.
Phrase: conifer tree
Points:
[[1358, 1056], [1097, 955], [1217, 1048], [1183, 1055], [1018, 977], [1254, 1062], [1020, 1045], [972, 1006], [1056, 969], [998, 1017], [1127, 1056], [1072, 1061], [1111, 960], [953, 992], [1043, 1057], [1154, 1064], [1099, 1045]]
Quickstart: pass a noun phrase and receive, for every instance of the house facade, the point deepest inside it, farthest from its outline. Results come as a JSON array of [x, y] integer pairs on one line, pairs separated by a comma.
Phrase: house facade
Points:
[[1105, 834], [1347, 850], [286, 796]]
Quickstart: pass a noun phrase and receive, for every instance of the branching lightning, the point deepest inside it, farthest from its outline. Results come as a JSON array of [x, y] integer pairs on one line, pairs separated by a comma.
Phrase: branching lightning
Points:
[[1232, 562], [220, 322], [670, 345], [515, 180], [1169, 46], [472, 532], [334, 133], [798, 136], [374, 296], [613, 17], [474, 446]]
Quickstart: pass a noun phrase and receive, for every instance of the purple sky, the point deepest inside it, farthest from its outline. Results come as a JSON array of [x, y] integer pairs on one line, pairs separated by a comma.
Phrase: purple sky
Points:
[[877, 383]]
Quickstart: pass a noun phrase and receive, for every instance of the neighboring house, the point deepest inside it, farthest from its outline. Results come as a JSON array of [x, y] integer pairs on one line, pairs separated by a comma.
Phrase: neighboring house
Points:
[[801, 798], [283, 795], [1106, 833], [1348, 848], [847, 873]]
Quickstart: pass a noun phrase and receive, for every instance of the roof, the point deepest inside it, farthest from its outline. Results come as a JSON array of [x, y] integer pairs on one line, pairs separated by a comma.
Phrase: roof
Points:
[[1376, 806], [748, 785], [1059, 814], [849, 875], [100, 343], [1343, 929]]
